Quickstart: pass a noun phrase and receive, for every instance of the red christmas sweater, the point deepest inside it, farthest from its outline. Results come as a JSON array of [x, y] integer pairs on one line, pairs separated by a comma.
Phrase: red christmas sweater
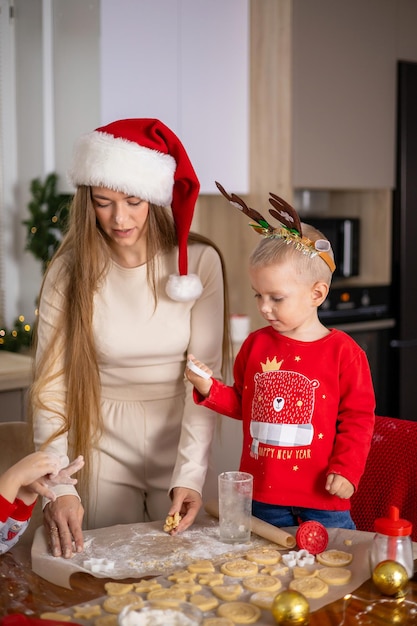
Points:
[[14, 519], [307, 410]]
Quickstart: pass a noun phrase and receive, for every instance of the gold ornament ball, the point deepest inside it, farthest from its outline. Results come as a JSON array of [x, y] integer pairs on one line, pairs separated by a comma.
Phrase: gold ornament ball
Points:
[[290, 608], [390, 578]]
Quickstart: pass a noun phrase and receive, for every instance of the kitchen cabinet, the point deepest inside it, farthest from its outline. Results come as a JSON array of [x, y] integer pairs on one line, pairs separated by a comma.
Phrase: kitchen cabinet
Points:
[[343, 92], [15, 378], [185, 62]]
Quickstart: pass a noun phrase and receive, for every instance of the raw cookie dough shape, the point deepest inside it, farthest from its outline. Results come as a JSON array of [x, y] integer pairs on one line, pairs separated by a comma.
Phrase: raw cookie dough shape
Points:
[[240, 612], [58, 617], [87, 611], [204, 566], [262, 582], [262, 599], [107, 620], [114, 604], [217, 621], [334, 558], [167, 597], [239, 568], [228, 593], [264, 556], [204, 602], [310, 586], [335, 575], [211, 579], [117, 589]]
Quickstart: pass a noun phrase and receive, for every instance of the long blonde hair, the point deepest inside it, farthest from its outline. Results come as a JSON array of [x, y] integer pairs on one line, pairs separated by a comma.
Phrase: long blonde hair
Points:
[[86, 260]]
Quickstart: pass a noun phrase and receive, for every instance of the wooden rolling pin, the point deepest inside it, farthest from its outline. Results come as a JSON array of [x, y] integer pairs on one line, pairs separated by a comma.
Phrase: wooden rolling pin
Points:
[[259, 527]]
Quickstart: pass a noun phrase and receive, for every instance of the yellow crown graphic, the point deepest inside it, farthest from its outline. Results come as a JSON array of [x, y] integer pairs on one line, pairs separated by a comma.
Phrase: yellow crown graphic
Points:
[[271, 366]]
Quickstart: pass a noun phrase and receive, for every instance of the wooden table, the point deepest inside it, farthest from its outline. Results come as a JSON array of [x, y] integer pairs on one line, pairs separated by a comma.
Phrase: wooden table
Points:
[[22, 591]]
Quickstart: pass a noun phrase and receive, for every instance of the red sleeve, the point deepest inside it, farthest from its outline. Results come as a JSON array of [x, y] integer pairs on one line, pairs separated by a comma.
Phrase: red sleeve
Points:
[[23, 511], [6, 508], [355, 421], [222, 399], [17, 509]]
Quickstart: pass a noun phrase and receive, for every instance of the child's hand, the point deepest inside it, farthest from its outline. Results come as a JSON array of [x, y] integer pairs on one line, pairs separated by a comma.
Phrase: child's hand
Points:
[[339, 486], [16, 480], [63, 477], [200, 382], [41, 485]]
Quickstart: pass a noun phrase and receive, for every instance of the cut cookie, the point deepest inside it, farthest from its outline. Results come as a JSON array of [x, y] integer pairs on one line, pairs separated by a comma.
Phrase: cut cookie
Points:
[[334, 558], [262, 582], [335, 575], [87, 611], [228, 592], [107, 620], [117, 589], [211, 579], [167, 597], [204, 566], [204, 602], [262, 599], [264, 556], [57, 617], [240, 612], [239, 568], [114, 604], [310, 586], [217, 621], [144, 586]]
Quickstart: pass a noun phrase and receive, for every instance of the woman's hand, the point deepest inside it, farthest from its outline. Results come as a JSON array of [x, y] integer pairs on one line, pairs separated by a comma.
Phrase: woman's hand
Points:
[[187, 503], [62, 521]]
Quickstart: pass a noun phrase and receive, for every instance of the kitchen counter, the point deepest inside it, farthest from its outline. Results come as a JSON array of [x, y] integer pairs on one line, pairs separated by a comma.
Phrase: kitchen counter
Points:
[[15, 371]]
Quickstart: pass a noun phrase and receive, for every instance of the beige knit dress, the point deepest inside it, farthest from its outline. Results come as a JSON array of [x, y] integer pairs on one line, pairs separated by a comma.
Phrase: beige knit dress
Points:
[[155, 437]]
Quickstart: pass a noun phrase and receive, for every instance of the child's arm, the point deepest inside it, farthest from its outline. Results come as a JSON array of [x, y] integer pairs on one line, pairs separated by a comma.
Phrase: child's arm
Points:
[[340, 486], [26, 471], [202, 381]]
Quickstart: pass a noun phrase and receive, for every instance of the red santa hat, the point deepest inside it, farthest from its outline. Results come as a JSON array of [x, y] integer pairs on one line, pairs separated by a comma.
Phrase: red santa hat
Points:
[[144, 158]]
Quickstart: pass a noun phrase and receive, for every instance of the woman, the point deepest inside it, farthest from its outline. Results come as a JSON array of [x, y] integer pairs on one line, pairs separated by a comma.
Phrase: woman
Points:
[[116, 320]]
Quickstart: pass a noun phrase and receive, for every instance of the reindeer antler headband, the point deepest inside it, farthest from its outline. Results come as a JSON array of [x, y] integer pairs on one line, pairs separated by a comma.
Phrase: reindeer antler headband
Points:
[[290, 226]]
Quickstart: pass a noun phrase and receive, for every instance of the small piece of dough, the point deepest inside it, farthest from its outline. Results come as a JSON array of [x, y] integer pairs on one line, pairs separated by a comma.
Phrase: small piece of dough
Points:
[[240, 612], [117, 589], [114, 604], [310, 586], [262, 582], [217, 621], [239, 568], [204, 566], [58, 617], [228, 592], [171, 522], [264, 556], [197, 370], [335, 575], [334, 558]]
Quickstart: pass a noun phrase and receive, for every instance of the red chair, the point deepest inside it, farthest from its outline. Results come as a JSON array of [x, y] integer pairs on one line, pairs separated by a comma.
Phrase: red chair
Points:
[[390, 476]]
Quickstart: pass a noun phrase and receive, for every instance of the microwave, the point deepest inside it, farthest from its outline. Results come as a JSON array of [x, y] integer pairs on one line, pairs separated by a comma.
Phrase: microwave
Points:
[[343, 234]]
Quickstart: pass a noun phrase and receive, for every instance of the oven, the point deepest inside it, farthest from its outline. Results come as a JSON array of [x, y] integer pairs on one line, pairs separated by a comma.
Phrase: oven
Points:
[[364, 313]]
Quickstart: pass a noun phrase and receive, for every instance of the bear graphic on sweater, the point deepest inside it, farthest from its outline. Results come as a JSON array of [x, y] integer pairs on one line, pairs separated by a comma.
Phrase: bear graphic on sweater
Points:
[[282, 407]]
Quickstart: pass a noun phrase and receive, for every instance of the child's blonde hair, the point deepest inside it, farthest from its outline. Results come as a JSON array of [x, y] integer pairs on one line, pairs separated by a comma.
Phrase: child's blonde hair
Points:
[[273, 250]]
